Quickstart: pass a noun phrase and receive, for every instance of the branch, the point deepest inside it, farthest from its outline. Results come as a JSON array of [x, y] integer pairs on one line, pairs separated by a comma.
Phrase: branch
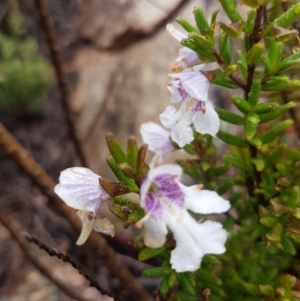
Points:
[[254, 38], [70, 291], [33, 170], [60, 75], [75, 265], [222, 64]]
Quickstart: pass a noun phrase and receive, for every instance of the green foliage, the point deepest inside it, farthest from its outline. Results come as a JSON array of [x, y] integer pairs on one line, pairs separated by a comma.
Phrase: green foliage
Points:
[[24, 75], [259, 173]]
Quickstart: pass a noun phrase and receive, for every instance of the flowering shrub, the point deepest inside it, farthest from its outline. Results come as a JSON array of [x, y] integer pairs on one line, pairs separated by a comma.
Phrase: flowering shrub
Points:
[[249, 252]]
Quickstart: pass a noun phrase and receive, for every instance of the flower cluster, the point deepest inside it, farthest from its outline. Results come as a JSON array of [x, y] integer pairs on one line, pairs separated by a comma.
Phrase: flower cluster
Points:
[[167, 203], [189, 87]]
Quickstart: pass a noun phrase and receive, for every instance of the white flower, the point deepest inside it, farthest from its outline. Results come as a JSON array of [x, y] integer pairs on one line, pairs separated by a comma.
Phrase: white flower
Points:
[[157, 138], [79, 188], [166, 202], [201, 114], [187, 57], [188, 84]]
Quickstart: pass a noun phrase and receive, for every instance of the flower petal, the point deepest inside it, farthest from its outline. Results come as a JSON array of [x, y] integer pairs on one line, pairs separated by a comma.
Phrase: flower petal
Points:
[[155, 232], [169, 117], [204, 201], [178, 35], [157, 138], [195, 83], [87, 226], [79, 188], [104, 225], [208, 122], [181, 132], [194, 240], [172, 169]]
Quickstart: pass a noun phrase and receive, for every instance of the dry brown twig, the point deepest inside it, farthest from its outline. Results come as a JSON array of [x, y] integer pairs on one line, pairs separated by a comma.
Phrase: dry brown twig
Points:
[[32, 169], [67, 258], [60, 75], [66, 288]]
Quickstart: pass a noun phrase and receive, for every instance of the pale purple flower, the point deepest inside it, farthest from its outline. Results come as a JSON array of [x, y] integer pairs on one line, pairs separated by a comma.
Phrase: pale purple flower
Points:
[[157, 138], [166, 202], [79, 188], [187, 57], [188, 84], [201, 114]]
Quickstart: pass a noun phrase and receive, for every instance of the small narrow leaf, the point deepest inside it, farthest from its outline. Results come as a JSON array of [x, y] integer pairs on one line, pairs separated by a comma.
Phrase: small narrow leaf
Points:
[[241, 104], [230, 117], [115, 148], [288, 17], [276, 131], [231, 11], [148, 253], [232, 140], [186, 25], [201, 22], [274, 155]]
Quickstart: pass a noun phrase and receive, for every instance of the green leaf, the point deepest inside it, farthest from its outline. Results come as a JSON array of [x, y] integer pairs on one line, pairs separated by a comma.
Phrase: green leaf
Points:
[[275, 234], [223, 80], [220, 170], [274, 51], [132, 152], [214, 18], [115, 148], [202, 23], [232, 140], [241, 104], [290, 196], [241, 61], [225, 186], [269, 222], [237, 162], [274, 155], [164, 287], [266, 290], [148, 253], [186, 283], [277, 83], [206, 277], [232, 30], [231, 10], [201, 41], [205, 55], [230, 117], [255, 53], [259, 164], [251, 122], [120, 175], [288, 17], [276, 131], [277, 113], [267, 107], [291, 61], [254, 93], [287, 281], [157, 272], [288, 245], [224, 47], [186, 25]]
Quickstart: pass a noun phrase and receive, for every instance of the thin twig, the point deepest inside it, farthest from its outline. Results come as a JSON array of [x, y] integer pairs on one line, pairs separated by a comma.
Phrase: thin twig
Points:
[[222, 64], [75, 265], [60, 75], [33, 170], [70, 291], [254, 38]]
